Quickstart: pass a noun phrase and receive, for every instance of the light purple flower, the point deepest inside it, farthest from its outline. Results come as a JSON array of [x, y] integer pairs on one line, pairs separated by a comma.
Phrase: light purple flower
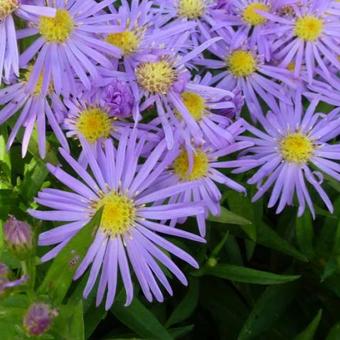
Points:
[[309, 38], [245, 69], [70, 47], [288, 149], [34, 108], [5, 283], [9, 54], [129, 230], [202, 164]]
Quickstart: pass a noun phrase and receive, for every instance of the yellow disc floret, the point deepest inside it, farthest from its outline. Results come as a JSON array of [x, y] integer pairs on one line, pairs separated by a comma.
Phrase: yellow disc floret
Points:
[[94, 123], [195, 104], [191, 9], [250, 15], [199, 169], [156, 77], [296, 148], [308, 28], [127, 41], [118, 214], [57, 29], [241, 63], [7, 7]]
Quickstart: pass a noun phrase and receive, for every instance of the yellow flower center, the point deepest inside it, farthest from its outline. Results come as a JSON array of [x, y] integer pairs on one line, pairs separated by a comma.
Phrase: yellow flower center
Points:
[[7, 7], [118, 214], [199, 169], [251, 17], [57, 29], [296, 148], [308, 28], [195, 104], [241, 63], [191, 9], [127, 41], [93, 124], [38, 86], [156, 77], [291, 67]]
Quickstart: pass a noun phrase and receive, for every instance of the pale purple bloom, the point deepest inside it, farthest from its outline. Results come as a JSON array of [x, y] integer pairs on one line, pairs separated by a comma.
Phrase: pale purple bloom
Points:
[[129, 231], [208, 18], [34, 109], [70, 47], [203, 165], [9, 54], [309, 38], [288, 149], [245, 69]]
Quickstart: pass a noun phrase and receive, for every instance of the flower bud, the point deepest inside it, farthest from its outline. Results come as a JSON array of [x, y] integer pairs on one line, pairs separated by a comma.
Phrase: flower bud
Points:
[[117, 96], [39, 318], [18, 236]]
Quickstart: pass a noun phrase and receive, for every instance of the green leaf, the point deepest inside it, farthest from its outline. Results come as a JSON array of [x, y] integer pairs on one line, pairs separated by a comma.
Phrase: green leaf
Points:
[[138, 318], [268, 309], [59, 277], [246, 275], [228, 217], [304, 234], [309, 332], [70, 323], [269, 238], [334, 333], [179, 332], [186, 307]]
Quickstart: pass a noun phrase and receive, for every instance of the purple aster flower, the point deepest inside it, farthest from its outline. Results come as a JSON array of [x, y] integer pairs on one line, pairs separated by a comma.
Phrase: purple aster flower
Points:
[[285, 150], [207, 16], [245, 69], [129, 229], [203, 103], [202, 165], [38, 318], [9, 54], [158, 79], [69, 46], [308, 38], [90, 118], [133, 31], [34, 109]]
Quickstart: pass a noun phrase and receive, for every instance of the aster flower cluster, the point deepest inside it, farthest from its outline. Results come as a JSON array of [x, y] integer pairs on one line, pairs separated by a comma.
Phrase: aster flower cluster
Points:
[[157, 106]]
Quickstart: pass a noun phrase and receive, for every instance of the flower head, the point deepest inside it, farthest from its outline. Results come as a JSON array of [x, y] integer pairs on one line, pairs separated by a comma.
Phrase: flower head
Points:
[[69, 46], [289, 147], [130, 225]]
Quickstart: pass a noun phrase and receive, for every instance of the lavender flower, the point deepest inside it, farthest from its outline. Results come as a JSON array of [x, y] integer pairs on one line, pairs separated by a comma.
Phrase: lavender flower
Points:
[[69, 46], [308, 38], [284, 152], [5, 284], [38, 319], [245, 69], [202, 165], [129, 227], [9, 55], [35, 109]]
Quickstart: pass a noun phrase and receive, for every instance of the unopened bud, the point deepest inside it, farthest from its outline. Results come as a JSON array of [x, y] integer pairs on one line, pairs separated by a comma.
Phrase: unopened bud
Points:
[[212, 262], [18, 236], [39, 318]]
